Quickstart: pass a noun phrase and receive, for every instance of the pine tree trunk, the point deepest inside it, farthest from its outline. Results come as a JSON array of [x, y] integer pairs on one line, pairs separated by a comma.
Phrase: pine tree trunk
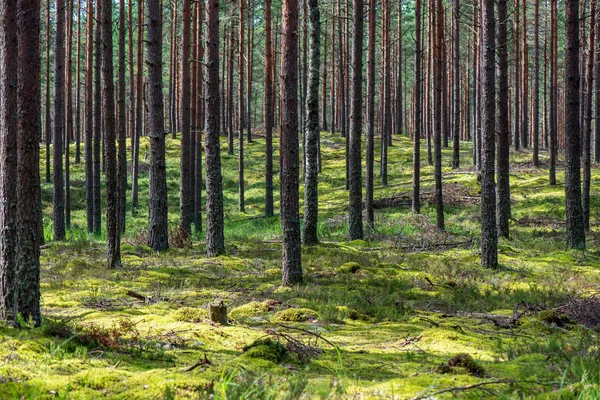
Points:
[[489, 233], [456, 52], [439, 111], [416, 181], [158, 231], [48, 121], [29, 205], [370, 156], [139, 113], [122, 117], [268, 111], [553, 90], [113, 234], [97, 120], [185, 194], [311, 195], [58, 200], [503, 124], [241, 111], [78, 89], [525, 81], [215, 240], [8, 159], [89, 118], [517, 80], [290, 220], [69, 112], [587, 132], [536, 85], [199, 120]]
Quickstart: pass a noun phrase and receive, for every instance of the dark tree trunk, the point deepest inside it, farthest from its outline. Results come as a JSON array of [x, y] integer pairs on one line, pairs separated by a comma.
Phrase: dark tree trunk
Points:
[[386, 99], [48, 112], [185, 194], [97, 120], [139, 113], [78, 88], [489, 233], [8, 159], [536, 85], [456, 119], [502, 124], [525, 85], [439, 111], [587, 132], [215, 240], [416, 189], [89, 118], [597, 89], [29, 205], [311, 194], [241, 111], [69, 113], [399, 119], [199, 95], [553, 90], [122, 117], [370, 156], [59, 123], [268, 112], [574, 210], [517, 102], [113, 233], [290, 219], [230, 92], [158, 230]]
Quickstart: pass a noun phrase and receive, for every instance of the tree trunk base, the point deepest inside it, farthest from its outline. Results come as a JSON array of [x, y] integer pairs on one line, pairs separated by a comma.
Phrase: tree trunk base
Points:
[[218, 312]]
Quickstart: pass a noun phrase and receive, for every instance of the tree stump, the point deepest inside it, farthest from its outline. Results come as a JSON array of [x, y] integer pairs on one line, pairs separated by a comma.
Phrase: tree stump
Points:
[[218, 312]]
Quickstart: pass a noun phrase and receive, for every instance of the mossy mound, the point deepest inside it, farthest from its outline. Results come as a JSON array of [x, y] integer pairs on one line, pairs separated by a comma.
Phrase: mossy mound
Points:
[[251, 309], [266, 349], [552, 317], [190, 314], [348, 268], [462, 361], [295, 315]]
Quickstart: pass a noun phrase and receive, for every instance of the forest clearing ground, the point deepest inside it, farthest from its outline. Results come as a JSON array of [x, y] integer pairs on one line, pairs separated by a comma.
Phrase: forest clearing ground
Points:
[[398, 307]]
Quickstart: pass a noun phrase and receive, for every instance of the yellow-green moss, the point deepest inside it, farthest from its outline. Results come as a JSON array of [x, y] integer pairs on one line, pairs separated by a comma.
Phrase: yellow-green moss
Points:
[[189, 314], [348, 268], [267, 349], [295, 315]]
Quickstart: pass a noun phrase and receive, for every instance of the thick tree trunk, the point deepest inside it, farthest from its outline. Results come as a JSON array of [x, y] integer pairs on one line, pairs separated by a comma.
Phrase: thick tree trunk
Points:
[[290, 219], [489, 233], [8, 159], [158, 231], [113, 233], [215, 240], [29, 205], [587, 132], [311, 194], [574, 210]]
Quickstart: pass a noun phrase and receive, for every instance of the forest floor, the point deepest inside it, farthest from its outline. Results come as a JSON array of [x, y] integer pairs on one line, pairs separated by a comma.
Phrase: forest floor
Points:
[[389, 317]]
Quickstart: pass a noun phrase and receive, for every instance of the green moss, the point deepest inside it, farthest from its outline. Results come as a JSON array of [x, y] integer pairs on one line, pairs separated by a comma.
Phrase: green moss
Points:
[[348, 268], [465, 361], [266, 349], [190, 314], [295, 315], [250, 310]]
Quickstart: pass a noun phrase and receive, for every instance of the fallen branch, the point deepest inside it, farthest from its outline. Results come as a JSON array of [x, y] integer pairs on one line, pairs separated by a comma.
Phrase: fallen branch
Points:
[[463, 388], [199, 363], [135, 295]]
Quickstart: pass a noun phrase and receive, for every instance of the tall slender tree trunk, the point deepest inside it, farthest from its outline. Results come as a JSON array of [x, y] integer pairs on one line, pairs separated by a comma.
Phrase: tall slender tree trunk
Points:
[[268, 111], [89, 118], [517, 80], [185, 193], [387, 97], [311, 194], [489, 233], [78, 88], [158, 231], [68, 93], [574, 210], [416, 189], [215, 240], [48, 112], [587, 132], [439, 111], [139, 112], [113, 232], [199, 96], [503, 124], [97, 119], [399, 117], [241, 111], [525, 85], [290, 219], [122, 120], [370, 156], [597, 89], [456, 56], [536, 85], [59, 123], [553, 90]]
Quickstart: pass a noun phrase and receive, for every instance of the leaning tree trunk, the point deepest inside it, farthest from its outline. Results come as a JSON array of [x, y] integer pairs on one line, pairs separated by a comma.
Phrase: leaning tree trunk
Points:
[[489, 233], [113, 233], [290, 220], [158, 231], [311, 193], [215, 240]]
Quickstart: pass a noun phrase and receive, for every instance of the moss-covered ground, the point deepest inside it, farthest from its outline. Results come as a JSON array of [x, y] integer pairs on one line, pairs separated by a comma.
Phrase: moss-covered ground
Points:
[[406, 313]]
